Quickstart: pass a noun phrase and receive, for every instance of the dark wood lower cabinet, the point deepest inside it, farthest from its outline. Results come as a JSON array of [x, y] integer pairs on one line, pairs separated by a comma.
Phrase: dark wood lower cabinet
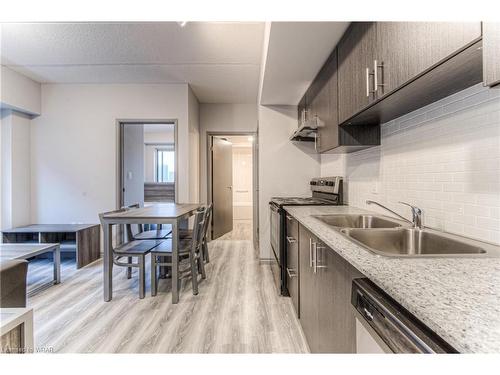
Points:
[[326, 316], [308, 285]]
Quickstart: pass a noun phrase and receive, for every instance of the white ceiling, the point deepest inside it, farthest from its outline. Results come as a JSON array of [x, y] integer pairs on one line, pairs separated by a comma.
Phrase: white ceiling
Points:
[[296, 53], [220, 60]]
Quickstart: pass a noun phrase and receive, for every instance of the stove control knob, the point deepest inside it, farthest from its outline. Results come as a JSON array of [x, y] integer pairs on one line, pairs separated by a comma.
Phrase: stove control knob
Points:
[[330, 183], [313, 182]]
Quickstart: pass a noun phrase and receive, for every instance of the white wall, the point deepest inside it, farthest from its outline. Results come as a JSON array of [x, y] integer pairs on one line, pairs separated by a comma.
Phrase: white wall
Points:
[[18, 92], [285, 168], [194, 147], [444, 158], [222, 118], [15, 160], [74, 145]]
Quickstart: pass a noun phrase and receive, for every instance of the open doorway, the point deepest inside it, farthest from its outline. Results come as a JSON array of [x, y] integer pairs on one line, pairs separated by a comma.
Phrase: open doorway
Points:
[[148, 162], [232, 185]]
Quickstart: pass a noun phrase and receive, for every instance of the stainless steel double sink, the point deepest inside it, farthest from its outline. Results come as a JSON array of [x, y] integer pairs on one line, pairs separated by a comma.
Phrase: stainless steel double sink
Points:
[[391, 237]]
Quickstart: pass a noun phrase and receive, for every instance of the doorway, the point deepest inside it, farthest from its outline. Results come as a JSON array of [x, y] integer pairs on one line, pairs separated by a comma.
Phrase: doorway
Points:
[[232, 185], [147, 162]]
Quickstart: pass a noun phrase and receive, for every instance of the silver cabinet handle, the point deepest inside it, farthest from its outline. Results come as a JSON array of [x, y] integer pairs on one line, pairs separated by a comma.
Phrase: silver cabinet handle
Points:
[[291, 239], [288, 217], [310, 251], [376, 66], [291, 272], [368, 74], [315, 253], [316, 257], [368, 82]]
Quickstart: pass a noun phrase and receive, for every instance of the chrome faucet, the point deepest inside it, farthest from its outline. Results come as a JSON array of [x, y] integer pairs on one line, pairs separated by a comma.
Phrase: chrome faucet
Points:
[[415, 211]]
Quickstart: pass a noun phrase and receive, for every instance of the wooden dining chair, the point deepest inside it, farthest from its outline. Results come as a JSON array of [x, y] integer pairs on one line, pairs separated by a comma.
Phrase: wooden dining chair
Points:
[[162, 231], [190, 255], [188, 233], [131, 249]]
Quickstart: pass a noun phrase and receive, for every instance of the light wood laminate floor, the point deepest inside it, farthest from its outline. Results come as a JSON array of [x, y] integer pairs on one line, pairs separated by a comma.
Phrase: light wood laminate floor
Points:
[[237, 310]]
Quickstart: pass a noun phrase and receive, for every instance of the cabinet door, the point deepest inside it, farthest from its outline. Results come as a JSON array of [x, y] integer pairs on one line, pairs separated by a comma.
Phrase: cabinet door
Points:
[[355, 55], [292, 256], [491, 53], [328, 135], [308, 293], [406, 49], [336, 319]]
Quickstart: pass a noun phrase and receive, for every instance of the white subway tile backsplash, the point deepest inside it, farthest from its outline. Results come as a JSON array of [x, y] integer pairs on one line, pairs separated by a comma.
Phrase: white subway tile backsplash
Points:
[[444, 157]]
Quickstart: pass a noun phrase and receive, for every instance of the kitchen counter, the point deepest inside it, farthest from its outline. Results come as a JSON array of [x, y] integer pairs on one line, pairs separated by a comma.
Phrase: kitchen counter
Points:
[[458, 298]]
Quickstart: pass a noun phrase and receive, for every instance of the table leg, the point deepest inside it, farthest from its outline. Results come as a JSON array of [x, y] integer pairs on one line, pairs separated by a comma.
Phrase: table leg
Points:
[[57, 265], [108, 263], [175, 262]]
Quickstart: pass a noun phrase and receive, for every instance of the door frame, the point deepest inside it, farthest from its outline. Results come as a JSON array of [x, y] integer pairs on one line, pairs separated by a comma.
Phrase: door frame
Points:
[[255, 175], [119, 155]]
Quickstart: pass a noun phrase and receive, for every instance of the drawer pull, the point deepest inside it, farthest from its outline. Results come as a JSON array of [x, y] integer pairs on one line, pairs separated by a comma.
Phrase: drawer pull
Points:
[[291, 239], [288, 217]]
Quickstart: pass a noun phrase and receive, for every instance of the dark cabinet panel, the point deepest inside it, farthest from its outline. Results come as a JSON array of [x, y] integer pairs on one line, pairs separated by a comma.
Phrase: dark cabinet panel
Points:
[[404, 50], [308, 290], [336, 320], [328, 134], [356, 54], [491, 53], [292, 256], [325, 297]]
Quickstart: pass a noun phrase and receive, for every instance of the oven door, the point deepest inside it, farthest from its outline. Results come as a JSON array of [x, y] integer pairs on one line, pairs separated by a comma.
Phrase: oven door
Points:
[[275, 230], [275, 234]]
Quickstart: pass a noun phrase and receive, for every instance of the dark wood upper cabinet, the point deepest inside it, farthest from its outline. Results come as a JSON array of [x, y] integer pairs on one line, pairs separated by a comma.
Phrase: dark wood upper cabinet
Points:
[[491, 54], [404, 50], [382, 70], [356, 53], [323, 96]]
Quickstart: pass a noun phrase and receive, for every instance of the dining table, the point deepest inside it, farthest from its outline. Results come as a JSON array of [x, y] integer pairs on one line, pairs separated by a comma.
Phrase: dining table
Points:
[[157, 213]]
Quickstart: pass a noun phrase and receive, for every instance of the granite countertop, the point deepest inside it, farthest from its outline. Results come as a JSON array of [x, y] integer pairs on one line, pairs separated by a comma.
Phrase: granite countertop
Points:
[[458, 298]]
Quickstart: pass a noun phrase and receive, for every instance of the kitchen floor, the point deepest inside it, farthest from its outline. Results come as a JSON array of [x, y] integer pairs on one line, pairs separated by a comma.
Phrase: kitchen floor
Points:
[[237, 309]]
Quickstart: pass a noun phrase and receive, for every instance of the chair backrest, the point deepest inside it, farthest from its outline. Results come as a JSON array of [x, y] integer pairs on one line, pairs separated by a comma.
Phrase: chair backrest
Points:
[[128, 227], [206, 220], [198, 226]]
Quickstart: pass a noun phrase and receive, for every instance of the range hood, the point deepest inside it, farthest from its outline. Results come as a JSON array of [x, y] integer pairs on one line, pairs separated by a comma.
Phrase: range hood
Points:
[[307, 130]]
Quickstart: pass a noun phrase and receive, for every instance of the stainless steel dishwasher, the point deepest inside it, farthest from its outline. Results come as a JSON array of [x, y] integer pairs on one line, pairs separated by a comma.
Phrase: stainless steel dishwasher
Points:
[[384, 326]]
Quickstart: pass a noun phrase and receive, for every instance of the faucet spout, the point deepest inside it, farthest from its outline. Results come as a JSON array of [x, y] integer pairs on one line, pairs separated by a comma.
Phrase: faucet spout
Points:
[[416, 213]]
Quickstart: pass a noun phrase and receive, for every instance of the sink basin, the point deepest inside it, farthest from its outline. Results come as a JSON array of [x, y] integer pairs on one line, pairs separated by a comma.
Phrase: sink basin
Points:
[[358, 221], [411, 242]]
